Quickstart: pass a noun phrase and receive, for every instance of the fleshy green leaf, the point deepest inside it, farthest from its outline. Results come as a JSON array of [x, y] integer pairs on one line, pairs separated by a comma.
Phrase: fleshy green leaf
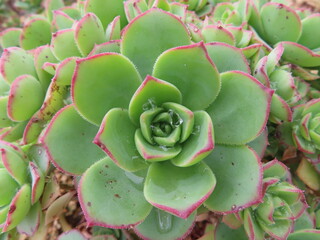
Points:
[[113, 31], [61, 20], [88, 32], [192, 71], [51, 5], [180, 190], [30, 224], [227, 57], [283, 82], [154, 153], [68, 140], [54, 101], [63, 44], [308, 36], [251, 227], [111, 46], [235, 115], [19, 208], [280, 109], [96, 89], [213, 33], [161, 225], [5, 121], [4, 87], [238, 186], [13, 133], [308, 175], [280, 23], [72, 11], [3, 214], [43, 55], [38, 181], [260, 143], [148, 35], [199, 144], [275, 169], [116, 138], [15, 62], [106, 10], [223, 232], [10, 37], [14, 164], [116, 200], [9, 187], [185, 115], [38, 155], [279, 230], [306, 234], [72, 235], [300, 55], [273, 58], [146, 119], [36, 32], [25, 98]]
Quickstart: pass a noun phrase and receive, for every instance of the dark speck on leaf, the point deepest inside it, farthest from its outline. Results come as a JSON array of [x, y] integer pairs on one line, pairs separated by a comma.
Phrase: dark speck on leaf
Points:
[[89, 204], [232, 163], [106, 166], [12, 209], [287, 17], [117, 196]]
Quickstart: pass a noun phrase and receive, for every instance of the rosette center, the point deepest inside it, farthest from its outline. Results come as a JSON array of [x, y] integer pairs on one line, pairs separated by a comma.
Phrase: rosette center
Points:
[[162, 130], [164, 126]]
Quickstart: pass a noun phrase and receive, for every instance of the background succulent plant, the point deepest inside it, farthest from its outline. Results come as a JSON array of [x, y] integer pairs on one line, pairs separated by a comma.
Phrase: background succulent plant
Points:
[[22, 183]]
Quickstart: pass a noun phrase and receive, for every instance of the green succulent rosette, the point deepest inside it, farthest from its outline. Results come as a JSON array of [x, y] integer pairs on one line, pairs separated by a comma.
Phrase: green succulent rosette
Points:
[[280, 78], [306, 127], [37, 65], [278, 24], [37, 30], [22, 183], [158, 131], [282, 204], [302, 132]]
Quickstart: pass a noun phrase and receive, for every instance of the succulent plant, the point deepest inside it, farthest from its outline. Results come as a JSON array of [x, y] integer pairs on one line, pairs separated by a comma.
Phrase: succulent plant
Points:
[[281, 205], [305, 128], [175, 118], [302, 131], [22, 183], [277, 23], [178, 95]]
